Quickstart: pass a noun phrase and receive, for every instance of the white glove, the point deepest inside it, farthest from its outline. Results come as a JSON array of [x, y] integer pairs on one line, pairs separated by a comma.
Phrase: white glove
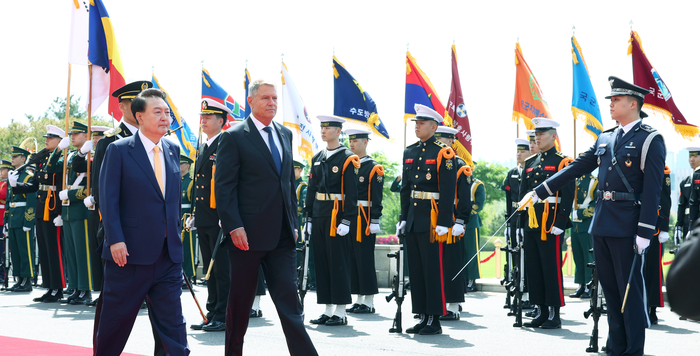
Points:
[[65, 142], [24, 228], [87, 147], [457, 229], [556, 231], [663, 237], [58, 221], [520, 234], [400, 226], [219, 223], [678, 237], [63, 195], [506, 232], [307, 228], [89, 201], [190, 223], [441, 230], [374, 228], [12, 177], [575, 215], [342, 230], [641, 244], [527, 196]]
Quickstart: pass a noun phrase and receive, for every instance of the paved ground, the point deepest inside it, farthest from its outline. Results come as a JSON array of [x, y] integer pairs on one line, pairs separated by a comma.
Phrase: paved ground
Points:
[[484, 329]]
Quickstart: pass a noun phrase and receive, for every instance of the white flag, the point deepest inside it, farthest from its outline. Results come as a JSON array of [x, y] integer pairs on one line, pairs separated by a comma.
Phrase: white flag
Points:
[[296, 118], [78, 45]]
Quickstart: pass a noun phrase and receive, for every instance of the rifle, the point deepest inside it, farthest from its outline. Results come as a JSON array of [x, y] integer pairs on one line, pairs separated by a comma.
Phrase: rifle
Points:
[[398, 290], [596, 308], [6, 262], [35, 280], [506, 281], [303, 270], [517, 280]]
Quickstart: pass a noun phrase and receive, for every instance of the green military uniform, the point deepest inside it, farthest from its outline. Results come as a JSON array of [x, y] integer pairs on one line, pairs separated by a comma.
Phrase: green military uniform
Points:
[[20, 218], [75, 224], [300, 187], [581, 240], [471, 233], [189, 237]]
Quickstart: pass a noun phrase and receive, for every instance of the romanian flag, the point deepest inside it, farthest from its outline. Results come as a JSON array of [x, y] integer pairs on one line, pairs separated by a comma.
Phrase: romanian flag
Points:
[[246, 85], [354, 103], [187, 139], [659, 101], [584, 104], [297, 119], [419, 90], [212, 90], [456, 115], [103, 54]]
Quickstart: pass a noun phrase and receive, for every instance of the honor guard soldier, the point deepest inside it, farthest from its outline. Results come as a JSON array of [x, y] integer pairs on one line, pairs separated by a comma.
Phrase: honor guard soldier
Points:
[[331, 207], [653, 268], [427, 216], [206, 219], [453, 249], [363, 231], [189, 237], [471, 234], [683, 221], [533, 143], [581, 240], [74, 215], [45, 182], [544, 223], [630, 162], [300, 189], [511, 185], [19, 222], [5, 167]]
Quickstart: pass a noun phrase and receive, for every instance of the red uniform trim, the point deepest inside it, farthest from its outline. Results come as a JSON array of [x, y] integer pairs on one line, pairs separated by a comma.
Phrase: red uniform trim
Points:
[[559, 276], [661, 276], [442, 282], [529, 170], [408, 160]]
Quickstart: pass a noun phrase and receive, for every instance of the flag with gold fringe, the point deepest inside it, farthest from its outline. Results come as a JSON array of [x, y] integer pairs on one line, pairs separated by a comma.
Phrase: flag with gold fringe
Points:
[[659, 101], [297, 119], [246, 85], [584, 104], [354, 103], [419, 90], [456, 115], [181, 130]]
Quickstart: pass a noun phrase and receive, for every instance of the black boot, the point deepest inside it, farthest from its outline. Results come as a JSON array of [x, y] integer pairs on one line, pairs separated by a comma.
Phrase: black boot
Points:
[[540, 318], [652, 316], [84, 296], [553, 320], [578, 292], [25, 285], [418, 327], [432, 326], [54, 296], [44, 296]]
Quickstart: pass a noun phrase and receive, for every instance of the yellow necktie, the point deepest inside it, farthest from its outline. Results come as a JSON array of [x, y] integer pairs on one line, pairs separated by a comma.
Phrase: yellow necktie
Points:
[[158, 169]]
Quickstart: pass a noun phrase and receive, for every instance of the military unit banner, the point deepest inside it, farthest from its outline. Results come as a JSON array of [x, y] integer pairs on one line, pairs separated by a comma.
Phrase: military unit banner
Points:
[[181, 130], [419, 90], [456, 115], [584, 104], [297, 119], [212, 90]]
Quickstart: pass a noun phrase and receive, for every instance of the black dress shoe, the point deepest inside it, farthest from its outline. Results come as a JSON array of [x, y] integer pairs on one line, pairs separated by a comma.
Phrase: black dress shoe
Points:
[[53, 298], [554, 323], [83, 297], [255, 313], [652, 316], [321, 319], [92, 303], [431, 330], [336, 320], [214, 326], [198, 326], [450, 316], [586, 295], [352, 308], [415, 329], [527, 305], [578, 293], [41, 299], [69, 298], [539, 319], [363, 309], [24, 286]]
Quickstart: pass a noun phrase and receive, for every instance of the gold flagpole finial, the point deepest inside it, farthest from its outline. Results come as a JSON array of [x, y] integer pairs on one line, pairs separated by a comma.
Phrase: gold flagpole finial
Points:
[[573, 30], [631, 24]]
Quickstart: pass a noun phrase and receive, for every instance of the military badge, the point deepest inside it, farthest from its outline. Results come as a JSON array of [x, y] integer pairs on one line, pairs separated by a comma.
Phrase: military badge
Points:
[[357, 170], [428, 176], [668, 181], [46, 176], [144, 86], [380, 179], [335, 169], [362, 179], [205, 105], [448, 164], [628, 163]]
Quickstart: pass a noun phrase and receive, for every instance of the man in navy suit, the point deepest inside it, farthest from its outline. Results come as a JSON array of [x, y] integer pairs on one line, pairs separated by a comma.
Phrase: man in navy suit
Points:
[[254, 190], [140, 205]]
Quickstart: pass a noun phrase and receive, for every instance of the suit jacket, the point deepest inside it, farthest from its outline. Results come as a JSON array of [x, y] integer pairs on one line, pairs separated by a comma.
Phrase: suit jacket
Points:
[[133, 208], [249, 191]]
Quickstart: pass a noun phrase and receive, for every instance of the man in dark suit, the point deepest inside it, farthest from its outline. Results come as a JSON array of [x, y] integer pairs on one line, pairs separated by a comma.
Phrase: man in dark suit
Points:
[[140, 181], [254, 189]]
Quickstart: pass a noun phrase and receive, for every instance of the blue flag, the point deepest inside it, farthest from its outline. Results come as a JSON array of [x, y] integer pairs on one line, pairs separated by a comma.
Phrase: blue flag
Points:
[[354, 103], [188, 141], [247, 84], [584, 104]]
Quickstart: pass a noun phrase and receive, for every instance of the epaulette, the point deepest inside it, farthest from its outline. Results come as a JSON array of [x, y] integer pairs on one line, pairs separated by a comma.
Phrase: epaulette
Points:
[[560, 154], [112, 132], [531, 157], [647, 128], [610, 130], [696, 169], [460, 160], [440, 144]]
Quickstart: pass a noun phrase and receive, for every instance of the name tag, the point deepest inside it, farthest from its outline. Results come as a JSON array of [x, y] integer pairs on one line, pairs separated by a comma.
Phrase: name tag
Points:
[[408, 160], [550, 168], [687, 185], [602, 145], [529, 170], [515, 176], [317, 163], [429, 161], [697, 181]]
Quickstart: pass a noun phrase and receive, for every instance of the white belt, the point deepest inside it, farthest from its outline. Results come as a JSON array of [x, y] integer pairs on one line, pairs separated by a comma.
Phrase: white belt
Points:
[[415, 194], [552, 200], [186, 206], [46, 188], [18, 204], [324, 196], [364, 203]]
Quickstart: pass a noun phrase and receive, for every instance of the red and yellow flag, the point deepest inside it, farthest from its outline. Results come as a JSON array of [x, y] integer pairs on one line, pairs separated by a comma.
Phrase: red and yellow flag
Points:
[[456, 115], [659, 101]]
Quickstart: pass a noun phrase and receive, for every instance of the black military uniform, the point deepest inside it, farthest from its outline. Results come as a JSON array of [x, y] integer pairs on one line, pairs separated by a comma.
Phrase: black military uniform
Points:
[[683, 212], [542, 246], [630, 160], [654, 268], [46, 182], [427, 203], [331, 201], [361, 240]]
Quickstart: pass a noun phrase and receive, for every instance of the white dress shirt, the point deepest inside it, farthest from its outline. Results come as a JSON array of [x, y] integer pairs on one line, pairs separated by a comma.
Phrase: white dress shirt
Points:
[[131, 127], [260, 126], [148, 145], [211, 140]]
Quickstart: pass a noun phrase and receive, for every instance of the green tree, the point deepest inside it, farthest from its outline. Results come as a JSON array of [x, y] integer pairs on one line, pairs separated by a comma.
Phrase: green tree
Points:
[[492, 175]]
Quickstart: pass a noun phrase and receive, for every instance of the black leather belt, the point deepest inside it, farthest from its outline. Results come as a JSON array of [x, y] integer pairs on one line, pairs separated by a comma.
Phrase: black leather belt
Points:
[[617, 196]]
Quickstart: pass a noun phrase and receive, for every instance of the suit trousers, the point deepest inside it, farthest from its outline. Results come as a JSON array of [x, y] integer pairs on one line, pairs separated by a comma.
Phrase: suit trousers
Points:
[[654, 273], [48, 237], [543, 268], [423, 258], [219, 280], [280, 273], [452, 262], [613, 260], [363, 275], [124, 291], [332, 270]]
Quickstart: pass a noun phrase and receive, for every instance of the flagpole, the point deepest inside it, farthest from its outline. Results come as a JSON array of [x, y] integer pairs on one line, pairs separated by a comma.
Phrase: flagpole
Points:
[[89, 125], [404, 120], [573, 34], [65, 150]]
